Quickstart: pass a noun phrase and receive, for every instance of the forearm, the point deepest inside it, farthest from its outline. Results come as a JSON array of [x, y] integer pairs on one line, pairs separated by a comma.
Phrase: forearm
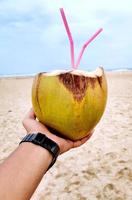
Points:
[[21, 173]]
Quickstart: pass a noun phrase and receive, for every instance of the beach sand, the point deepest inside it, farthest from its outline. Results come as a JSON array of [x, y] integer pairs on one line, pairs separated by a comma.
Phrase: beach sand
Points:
[[101, 168]]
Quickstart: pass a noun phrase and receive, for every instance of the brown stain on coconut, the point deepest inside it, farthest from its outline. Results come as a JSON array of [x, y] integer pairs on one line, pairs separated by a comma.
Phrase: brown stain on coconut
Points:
[[99, 78], [78, 84]]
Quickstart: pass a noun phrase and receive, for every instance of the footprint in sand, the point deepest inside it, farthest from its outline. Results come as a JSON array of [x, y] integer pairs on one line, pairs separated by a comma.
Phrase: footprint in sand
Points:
[[124, 173], [110, 192]]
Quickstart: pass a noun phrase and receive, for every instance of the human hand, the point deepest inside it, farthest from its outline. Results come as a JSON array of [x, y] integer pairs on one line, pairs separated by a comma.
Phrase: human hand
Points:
[[33, 126]]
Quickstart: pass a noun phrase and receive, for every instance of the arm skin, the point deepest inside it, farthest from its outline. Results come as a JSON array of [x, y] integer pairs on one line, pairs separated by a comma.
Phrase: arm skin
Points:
[[23, 170]]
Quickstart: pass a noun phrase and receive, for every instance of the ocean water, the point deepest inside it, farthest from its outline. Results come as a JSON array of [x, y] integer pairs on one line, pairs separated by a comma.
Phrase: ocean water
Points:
[[20, 74]]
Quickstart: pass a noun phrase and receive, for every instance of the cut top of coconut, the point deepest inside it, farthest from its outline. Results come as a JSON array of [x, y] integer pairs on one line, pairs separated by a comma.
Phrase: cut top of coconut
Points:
[[98, 72]]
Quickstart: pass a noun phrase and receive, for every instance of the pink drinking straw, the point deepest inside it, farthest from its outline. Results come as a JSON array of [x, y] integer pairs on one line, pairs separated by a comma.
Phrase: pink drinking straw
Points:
[[85, 45], [69, 36], [72, 42]]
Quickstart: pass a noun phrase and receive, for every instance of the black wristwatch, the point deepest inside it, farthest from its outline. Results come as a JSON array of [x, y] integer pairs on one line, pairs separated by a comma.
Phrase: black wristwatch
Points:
[[43, 141]]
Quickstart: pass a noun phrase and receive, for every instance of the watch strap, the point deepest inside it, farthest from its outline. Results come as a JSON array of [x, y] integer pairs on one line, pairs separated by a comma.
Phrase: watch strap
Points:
[[45, 142]]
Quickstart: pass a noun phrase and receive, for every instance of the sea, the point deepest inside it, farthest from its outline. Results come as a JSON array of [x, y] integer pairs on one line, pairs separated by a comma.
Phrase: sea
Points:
[[33, 74]]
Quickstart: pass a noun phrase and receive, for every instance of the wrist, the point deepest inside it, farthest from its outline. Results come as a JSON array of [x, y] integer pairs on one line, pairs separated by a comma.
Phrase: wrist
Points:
[[37, 153], [41, 140], [50, 135]]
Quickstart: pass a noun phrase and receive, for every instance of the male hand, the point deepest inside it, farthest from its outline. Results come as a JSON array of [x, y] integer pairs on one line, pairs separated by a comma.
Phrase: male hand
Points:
[[33, 126]]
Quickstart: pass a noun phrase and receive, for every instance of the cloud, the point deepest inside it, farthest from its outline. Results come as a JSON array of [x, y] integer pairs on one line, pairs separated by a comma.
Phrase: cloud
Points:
[[32, 31]]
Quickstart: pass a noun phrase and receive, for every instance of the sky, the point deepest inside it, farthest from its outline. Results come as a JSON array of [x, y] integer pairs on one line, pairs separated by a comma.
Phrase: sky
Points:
[[33, 37]]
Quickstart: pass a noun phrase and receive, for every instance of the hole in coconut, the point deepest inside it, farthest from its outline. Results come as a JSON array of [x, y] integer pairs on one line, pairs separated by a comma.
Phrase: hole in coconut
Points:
[[98, 72]]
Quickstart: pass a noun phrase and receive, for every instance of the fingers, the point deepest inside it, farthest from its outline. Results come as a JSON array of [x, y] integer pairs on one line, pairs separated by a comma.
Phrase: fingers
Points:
[[28, 117], [32, 125], [87, 137], [30, 114], [83, 140]]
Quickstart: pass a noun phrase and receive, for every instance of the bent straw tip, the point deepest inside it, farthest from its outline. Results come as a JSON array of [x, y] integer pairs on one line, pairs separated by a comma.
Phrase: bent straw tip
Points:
[[101, 29], [61, 9]]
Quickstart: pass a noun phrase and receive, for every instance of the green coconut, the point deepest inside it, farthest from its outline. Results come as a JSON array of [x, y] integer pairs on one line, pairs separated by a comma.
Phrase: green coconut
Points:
[[70, 102]]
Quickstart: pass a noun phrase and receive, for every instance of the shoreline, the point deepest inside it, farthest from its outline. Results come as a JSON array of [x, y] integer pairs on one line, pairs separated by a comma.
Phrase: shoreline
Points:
[[25, 76]]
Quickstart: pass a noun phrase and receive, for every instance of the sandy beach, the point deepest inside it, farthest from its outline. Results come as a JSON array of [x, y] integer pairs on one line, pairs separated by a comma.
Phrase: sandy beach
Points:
[[99, 170]]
